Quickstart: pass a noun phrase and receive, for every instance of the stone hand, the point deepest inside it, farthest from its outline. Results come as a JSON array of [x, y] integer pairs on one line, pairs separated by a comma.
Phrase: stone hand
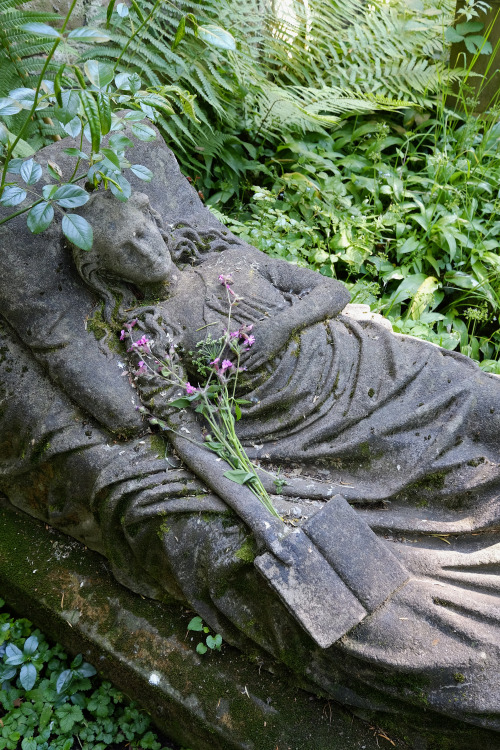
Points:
[[271, 336]]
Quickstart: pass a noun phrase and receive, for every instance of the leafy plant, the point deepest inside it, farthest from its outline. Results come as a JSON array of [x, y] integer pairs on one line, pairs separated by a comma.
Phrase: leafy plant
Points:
[[405, 214], [213, 643], [47, 701], [82, 101]]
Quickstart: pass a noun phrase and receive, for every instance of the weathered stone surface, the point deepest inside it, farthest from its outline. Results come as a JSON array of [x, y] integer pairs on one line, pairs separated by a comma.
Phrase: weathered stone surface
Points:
[[220, 701], [364, 563], [406, 432]]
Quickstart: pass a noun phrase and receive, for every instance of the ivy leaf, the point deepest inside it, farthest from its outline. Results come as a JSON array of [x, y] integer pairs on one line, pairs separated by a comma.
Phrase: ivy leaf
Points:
[[9, 106], [240, 476], [195, 624], [12, 196], [40, 217], [88, 36], [143, 132], [99, 73], [41, 29], [70, 196], [143, 173], [214, 643], [215, 36], [201, 648], [31, 172], [78, 231], [27, 676]]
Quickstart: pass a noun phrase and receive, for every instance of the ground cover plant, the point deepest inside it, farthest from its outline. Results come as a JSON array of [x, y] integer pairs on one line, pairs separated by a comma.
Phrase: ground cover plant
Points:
[[48, 700]]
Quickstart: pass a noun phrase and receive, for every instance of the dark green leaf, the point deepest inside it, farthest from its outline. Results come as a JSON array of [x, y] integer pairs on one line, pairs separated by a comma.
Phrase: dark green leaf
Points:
[[94, 121], [40, 217], [27, 676], [78, 231], [28, 744], [49, 190], [89, 36], [119, 142], [70, 196], [31, 172], [143, 132], [99, 73], [12, 196], [86, 670], [57, 85], [123, 190], [180, 403], [452, 36], [112, 156], [109, 12], [179, 34], [237, 412], [143, 173], [104, 105], [75, 152], [240, 476]]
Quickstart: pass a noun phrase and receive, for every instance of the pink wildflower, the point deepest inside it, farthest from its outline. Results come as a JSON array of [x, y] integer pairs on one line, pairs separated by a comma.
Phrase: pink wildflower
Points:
[[190, 389], [226, 364], [122, 335], [250, 340], [142, 367]]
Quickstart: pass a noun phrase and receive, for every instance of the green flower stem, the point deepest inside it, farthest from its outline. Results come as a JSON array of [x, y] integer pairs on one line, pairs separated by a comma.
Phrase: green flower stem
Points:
[[35, 101], [139, 28]]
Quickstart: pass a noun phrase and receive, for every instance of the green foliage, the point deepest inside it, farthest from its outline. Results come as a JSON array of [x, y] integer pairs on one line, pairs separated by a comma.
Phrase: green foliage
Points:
[[285, 74], [213, 643], [48, 701], [405, 214], [82, 102]]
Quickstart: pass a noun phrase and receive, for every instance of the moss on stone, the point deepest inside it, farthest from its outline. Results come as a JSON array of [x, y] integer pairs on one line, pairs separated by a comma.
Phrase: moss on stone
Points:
[[247, 552]]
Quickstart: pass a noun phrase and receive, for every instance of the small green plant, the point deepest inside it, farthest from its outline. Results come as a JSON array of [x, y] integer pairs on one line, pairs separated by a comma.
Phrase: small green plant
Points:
[[48, 701], [212, 642]]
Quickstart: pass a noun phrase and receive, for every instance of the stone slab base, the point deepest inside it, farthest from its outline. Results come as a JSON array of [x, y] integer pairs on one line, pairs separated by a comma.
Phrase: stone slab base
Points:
[[218, 701]]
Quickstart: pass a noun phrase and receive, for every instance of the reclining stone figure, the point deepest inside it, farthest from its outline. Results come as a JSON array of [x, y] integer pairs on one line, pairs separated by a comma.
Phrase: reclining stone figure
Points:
[[389, 446]]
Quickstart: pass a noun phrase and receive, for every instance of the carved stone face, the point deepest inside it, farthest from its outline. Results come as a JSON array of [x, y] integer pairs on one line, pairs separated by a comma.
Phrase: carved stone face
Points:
[[129, 243]]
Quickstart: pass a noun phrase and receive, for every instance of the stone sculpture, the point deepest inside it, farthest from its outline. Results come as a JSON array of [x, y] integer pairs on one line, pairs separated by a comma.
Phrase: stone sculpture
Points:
[[385, 596]]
